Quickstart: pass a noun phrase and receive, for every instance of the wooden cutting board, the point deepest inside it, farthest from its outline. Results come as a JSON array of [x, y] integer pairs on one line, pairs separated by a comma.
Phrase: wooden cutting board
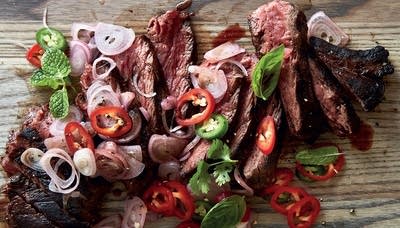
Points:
[[370, 183]]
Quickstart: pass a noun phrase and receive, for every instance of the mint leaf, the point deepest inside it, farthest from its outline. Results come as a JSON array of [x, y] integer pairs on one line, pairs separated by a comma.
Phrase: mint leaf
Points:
[[225, 214], [39, 78], [319, 156], [55, 63], [221, 173], [219, 150], [59, 105], [200, 181], [266, 73]]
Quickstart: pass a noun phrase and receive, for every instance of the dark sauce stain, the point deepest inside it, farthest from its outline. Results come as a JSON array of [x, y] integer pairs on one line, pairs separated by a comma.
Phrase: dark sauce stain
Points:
[[363, 139], [231, 33]]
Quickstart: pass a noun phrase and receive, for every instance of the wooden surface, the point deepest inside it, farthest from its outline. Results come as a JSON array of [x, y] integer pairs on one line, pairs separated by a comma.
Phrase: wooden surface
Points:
[[370, 183]]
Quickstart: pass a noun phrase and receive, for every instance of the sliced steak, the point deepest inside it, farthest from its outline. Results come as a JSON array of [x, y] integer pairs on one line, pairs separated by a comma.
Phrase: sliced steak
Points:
[[173, 39], [359, 72], [140, 59], [277, 23], [338, 110], [259, 168]]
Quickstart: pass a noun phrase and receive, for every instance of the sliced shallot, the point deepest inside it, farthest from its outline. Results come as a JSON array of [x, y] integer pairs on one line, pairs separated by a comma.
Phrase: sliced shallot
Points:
[[134, 151], [79, 56], [57, 183], [169, 170], [56, 142], [164, 148], [135, 84], [321, 26], [234, 62], [57, 126], [211, 79], [85, 162], [31, 157], [106, 66], [168, 103], [113, 39], [134, 213], [101, 94], [186, 151], [126, 99], [109, 222], [145, 113], [248, 190], [82, 32], [223, 51], [177, 133]]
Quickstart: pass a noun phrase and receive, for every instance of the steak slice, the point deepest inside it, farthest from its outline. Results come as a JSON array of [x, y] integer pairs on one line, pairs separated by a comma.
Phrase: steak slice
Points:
[[359, 72], [338, 110], [140, 59], [259, 169], [277, 23], [173, 39]]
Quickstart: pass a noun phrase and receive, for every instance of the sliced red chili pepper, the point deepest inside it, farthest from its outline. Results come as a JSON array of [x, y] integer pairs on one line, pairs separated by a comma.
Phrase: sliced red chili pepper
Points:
[[304, 213], [332, 170], [283, 176], [285, 197], [247, 214], [111, 121], [188, 224], [77, 137], [34, 55], [184, 202], [266, 135], [197, 97], [159, 198]]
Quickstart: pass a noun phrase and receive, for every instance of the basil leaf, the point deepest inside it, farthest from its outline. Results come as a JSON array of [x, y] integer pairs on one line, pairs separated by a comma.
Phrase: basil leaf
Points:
[[319, 156], [59, 105], [266, 73], [225, 214], [200, 181], [39, 78], [55, 63]]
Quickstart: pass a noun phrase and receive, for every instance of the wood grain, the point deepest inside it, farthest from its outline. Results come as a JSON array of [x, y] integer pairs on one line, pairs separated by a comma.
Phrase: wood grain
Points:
[[370, 183]]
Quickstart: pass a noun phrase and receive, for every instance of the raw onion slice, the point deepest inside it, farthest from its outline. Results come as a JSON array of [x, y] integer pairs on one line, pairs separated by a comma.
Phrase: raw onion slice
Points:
[[211, 79], [56, 142], [87, 31], [109, 222], [163, 148], [79, 56], [134, 151], [99, 94], [57, 126], [107, 65], [321, 26], [57, 183], [85, 162], [31, 157], [223, 51], [169, 170], [177, 131], [248, 190], [234, 62], [168, 103], [126, 99], [186, 151], [135, 84], [113, 39], [134, 213]]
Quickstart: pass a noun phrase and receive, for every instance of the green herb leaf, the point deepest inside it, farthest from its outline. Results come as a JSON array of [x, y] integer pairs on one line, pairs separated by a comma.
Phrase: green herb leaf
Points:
[[59, 105], [225, 214], [219, 150], [221, 173], [200, 181], [55, 63], [266, 73], [39, 78], [319, 156]]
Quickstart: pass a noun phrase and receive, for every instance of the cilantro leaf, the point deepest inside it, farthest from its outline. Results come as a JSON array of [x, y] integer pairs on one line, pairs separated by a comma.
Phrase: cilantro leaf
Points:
[[221, 173], [219, 150], [225, 214], [318, 156], [59, 105], [55, 63], [266, 73], [39, 78], [199, 183]]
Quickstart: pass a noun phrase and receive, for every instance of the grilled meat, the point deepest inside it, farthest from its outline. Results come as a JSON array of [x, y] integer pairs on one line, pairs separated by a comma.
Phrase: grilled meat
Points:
[[338, 110], [277, 23], [173, 39], [359, 72]]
